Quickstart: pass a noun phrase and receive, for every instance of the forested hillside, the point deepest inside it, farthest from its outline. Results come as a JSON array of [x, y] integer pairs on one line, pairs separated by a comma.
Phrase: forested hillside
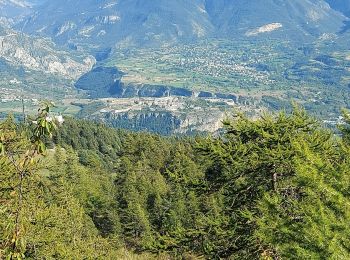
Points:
[[272, 188]]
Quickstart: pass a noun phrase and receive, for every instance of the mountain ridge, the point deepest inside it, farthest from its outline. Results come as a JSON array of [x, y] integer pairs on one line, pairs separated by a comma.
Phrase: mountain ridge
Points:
[[133, 22], [342, 6]]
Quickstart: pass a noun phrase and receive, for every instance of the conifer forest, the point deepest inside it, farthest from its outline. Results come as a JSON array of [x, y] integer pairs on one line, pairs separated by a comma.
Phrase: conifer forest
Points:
[[276, 187]]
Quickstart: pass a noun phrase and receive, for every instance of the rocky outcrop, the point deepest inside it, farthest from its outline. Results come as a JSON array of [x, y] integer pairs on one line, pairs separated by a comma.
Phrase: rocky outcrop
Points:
[[42, 55], [122, 90]]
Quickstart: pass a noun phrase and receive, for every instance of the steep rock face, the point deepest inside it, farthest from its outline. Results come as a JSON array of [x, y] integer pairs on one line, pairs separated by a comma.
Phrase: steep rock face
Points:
[[107, 23], [167, 123], [41, 55]]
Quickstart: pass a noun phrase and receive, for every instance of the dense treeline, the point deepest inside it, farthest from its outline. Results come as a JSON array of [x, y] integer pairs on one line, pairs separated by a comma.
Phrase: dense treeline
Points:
[[272, 188]]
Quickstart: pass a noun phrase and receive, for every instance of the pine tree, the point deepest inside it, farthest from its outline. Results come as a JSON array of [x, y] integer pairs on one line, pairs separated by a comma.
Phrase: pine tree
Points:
[[253, 157], [308, 217], [345, 126], [18, 159]]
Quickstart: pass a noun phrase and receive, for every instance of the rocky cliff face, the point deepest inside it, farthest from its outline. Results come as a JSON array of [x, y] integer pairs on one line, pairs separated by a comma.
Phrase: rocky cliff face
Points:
[[42, 55], [167, 123], [165, 115]]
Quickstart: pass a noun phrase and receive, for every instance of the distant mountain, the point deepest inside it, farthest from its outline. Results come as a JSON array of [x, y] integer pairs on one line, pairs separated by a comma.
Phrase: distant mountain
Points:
[[289, 19], [37, 54], [105, 23], [11, 11], [16, 8], [109, 22], [342, 6]]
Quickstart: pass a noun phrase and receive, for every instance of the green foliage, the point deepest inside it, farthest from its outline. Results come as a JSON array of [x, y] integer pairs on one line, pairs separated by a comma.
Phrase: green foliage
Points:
[[256, 164], [272, 188], [92, 141], [52, 207], [345, 127], [18, 159], [308, 217]]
